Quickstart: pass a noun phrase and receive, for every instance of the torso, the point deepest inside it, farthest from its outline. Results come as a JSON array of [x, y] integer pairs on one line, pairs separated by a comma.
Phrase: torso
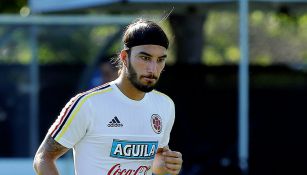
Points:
[[122, 139]]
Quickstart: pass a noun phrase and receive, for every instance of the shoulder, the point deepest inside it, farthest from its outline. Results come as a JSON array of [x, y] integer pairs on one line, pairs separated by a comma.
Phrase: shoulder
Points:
[[166, 104], [83, 97], [163, 97], [102, 89]]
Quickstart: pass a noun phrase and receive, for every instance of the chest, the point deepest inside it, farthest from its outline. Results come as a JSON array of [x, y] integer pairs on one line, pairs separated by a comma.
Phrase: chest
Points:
[[128, 120], [125, 132]]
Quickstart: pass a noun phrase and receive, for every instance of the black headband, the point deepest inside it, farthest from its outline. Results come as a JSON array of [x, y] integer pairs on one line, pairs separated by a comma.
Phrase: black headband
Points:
[[147, 37]]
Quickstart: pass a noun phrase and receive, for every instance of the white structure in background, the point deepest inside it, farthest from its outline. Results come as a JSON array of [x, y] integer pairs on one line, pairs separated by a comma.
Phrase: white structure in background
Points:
[[39, 6]]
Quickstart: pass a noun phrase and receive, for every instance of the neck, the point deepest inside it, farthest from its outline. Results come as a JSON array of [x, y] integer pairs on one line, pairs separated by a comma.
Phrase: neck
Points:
[[128, 89]]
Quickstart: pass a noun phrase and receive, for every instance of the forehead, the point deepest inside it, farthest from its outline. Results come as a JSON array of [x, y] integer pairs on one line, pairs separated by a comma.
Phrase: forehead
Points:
[[154, 50]]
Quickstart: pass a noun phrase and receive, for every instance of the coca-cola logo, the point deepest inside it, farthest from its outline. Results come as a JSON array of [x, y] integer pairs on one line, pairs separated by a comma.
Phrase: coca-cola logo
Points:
[[117, 170]]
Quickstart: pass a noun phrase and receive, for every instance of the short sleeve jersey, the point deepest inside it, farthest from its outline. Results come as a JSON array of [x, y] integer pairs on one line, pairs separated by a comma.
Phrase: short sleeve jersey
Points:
[[111, 134]]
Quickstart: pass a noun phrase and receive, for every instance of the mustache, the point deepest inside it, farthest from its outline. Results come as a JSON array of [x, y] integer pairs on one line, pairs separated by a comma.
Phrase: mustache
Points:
[[152, 76]]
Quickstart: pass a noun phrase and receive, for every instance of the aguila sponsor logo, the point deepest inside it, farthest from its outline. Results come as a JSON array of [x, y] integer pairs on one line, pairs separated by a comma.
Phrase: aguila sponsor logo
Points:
[[125, 149], [117, 170]]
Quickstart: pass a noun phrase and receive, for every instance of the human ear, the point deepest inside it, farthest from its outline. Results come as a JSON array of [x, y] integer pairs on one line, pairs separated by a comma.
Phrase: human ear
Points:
[[124, 57]]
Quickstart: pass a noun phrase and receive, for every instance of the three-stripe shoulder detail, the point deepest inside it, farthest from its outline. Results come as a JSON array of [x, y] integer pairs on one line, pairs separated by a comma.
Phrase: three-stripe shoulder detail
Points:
[[74, 106]]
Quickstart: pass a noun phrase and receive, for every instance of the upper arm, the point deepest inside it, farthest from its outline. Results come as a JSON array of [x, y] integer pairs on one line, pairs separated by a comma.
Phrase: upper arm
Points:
[[73, 122], [50, 149]]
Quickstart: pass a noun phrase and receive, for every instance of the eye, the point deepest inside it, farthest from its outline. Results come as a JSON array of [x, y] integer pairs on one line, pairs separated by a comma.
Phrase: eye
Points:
[[146, 58], [160, 60]]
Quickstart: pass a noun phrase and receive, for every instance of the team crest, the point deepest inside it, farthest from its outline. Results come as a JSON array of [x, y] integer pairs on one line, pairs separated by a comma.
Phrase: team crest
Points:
[[156, 123]]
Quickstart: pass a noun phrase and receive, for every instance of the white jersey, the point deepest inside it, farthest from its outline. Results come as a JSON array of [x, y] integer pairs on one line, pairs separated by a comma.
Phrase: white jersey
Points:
[[113, 135]]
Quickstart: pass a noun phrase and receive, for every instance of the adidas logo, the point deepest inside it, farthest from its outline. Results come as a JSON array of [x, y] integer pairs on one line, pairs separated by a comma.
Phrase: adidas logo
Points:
[[115, 123]]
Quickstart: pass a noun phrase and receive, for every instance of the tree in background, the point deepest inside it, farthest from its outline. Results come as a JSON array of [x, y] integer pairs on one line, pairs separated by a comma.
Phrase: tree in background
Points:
[[211, 38], [12, 6]]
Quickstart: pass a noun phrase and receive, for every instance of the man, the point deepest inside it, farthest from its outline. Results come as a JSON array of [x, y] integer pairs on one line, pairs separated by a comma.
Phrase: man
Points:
[[121, 127]]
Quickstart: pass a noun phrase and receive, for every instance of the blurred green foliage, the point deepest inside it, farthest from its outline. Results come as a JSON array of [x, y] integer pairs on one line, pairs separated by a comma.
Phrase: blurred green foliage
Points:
[[275, 38], [12, 6], [56, 44]]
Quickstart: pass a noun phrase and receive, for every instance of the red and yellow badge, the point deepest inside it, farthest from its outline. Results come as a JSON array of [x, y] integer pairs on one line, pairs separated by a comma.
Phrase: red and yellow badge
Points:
[[156, 123]]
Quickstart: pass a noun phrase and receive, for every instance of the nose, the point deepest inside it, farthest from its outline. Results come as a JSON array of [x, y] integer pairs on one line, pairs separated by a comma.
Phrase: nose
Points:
[[152, 67]]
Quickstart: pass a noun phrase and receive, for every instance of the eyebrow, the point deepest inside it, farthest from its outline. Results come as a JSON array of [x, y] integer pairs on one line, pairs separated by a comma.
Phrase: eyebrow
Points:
[[147, 54]]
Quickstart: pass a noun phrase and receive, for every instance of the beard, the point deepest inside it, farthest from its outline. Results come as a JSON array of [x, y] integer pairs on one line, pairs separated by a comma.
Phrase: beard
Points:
[[133, 77]]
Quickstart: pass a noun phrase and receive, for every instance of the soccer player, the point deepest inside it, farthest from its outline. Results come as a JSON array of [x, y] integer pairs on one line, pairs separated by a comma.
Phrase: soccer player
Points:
[[122, 127]]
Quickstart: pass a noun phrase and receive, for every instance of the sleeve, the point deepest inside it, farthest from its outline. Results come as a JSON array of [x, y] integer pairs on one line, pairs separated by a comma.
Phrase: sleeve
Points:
[[169, 125], [72, 123]]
